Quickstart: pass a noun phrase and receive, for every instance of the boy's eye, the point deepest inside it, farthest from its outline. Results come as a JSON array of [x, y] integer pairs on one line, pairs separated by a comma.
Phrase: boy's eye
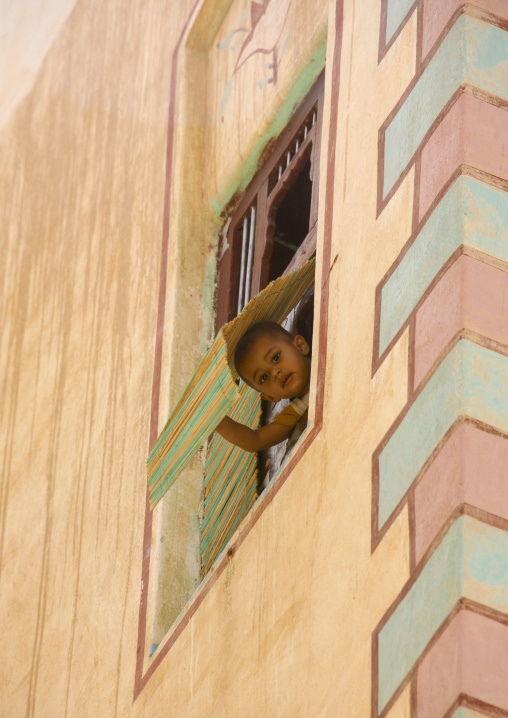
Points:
[[276, 357], [263, 378]]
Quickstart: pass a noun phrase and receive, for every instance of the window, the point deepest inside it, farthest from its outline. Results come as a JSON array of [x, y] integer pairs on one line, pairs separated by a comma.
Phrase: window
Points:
[[272, 233]]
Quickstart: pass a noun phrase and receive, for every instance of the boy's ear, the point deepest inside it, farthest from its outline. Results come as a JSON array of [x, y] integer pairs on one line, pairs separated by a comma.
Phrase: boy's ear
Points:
[[301, 344]]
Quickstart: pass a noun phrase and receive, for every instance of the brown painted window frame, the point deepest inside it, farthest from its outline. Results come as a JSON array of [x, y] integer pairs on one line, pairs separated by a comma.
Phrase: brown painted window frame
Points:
[[267, 191]]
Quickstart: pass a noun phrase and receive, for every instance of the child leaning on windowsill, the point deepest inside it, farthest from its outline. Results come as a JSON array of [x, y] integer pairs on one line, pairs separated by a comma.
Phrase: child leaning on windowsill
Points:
[[276, 364]]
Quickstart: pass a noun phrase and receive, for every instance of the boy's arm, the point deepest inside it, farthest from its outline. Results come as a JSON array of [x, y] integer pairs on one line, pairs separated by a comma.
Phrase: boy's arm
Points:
[[253, 439]]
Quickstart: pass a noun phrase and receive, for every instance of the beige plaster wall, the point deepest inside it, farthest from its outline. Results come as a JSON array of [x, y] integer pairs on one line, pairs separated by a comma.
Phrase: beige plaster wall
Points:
[[286, 629], [82, 176], [27, 30]]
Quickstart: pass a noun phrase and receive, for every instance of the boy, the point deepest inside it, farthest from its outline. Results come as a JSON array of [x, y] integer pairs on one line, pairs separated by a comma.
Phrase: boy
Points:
[[277, 365]]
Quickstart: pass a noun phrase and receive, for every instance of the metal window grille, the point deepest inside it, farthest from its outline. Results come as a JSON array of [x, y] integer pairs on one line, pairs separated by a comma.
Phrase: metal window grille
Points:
[[248, 237]]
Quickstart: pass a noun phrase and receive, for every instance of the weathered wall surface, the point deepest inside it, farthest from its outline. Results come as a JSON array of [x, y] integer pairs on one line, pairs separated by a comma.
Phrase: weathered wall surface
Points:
[[82, 176], [324, 607], [28, 28]]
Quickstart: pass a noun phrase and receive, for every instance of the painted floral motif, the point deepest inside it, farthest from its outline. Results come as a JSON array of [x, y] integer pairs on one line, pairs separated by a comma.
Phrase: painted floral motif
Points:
[[263, 36]]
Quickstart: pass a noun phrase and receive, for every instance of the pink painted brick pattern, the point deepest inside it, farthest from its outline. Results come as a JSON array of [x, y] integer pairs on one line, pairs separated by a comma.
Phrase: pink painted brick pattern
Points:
[[471, 468], [471, 657], [473, 133], [470, 295], [437, 13]]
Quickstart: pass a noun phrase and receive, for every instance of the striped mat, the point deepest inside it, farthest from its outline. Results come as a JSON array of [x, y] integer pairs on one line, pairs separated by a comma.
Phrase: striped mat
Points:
[[230, 482]]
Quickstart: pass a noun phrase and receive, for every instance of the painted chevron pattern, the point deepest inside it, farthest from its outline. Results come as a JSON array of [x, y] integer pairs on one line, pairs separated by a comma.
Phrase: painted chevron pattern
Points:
[[445, 458]]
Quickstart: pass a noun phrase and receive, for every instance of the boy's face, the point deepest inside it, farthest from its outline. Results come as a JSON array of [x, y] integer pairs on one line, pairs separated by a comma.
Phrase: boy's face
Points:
[[277, 367]]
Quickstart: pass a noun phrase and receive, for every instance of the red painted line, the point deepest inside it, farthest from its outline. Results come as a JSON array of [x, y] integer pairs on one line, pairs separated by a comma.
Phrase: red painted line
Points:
[[154, 413]]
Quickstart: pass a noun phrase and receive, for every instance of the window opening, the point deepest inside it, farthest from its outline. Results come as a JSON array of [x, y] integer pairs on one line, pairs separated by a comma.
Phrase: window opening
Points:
[[291, 223], [299, 321], [272, 233]]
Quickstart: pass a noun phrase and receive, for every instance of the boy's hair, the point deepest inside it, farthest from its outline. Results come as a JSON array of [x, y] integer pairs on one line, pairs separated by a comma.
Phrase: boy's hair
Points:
[[252, 334]]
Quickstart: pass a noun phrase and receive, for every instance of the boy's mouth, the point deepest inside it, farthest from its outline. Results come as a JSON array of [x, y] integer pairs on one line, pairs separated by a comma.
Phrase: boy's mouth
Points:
[[286, 380]]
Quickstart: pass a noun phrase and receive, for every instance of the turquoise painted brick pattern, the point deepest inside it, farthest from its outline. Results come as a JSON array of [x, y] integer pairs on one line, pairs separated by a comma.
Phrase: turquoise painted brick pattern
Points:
[[396, 11], [470, 381], [470, 562], [425, 607], [473, 52], [470, 213]]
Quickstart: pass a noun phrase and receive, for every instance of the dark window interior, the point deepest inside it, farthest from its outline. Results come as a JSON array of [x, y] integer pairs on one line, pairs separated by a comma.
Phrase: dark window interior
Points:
[[291, 223]]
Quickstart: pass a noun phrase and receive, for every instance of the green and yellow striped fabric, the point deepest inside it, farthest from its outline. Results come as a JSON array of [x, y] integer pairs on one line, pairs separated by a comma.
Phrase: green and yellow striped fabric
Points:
[[213, 390], [230, 481]]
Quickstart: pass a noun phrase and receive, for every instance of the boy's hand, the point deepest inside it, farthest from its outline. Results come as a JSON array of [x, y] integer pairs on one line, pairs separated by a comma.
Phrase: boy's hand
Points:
[[253, 439]]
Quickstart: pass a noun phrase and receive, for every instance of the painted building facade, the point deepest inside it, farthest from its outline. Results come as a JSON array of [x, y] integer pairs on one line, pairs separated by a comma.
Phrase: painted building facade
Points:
[[371, 576]]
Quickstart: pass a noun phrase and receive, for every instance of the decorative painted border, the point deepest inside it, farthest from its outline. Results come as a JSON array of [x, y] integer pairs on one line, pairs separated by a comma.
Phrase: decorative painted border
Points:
[[432, 16], [463, 699], [481, 19], [470, 657], [445, 457], [459, 199], [461, 603], [141, 679], [465, 388], [385, 43]]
